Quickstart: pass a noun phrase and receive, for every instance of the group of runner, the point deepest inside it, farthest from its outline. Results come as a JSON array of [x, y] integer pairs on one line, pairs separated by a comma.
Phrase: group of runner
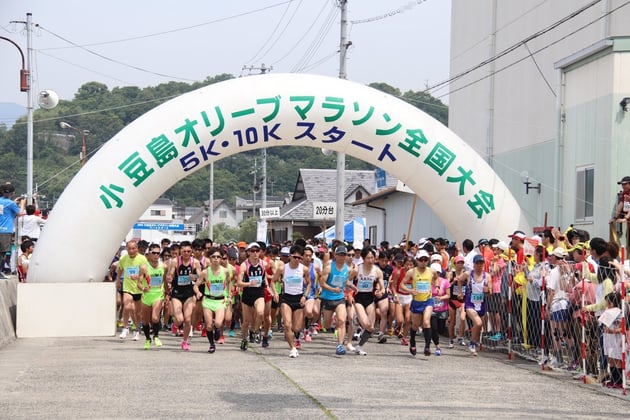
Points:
[[430, 287]]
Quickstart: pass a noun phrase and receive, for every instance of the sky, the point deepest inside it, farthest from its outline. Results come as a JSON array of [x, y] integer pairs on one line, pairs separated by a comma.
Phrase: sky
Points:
[[404, 43]]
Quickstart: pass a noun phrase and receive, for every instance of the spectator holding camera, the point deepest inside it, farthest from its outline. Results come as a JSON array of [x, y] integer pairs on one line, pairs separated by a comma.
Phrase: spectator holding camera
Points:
[[9, 209]]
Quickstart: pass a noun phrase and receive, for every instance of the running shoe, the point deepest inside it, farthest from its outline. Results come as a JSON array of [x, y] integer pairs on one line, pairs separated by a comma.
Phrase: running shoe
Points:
[[231, 333], [336, 334], [157, 341], [119, 324], [123, 333], [270, 334], [244, 344], [412, 350], [174, 329], [438, 351], [257, 337], [358, 350], [204, 333], [251, 336], [212, 348], [496, 337], [350, 347], [340, 350], [461, 341], [307, 336], [451, 344], [221, 339], [136, 336], [185, 346], [381, 338], [297, 344], [294, 353], [217, 333], [390, 332], [427, 352], [265, 342], [147, 344], [473, 349], [404, 341]]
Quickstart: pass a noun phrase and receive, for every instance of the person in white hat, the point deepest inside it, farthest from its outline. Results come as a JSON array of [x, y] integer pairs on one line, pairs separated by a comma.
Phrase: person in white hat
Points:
[[420, 278], [558, 303]]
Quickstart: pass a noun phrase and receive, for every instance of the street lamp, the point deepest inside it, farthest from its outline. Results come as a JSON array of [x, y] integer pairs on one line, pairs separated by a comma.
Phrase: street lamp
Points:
[[83, 133]]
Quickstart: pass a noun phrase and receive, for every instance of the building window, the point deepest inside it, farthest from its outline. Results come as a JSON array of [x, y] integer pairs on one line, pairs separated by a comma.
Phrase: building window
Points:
[[158, 212], [223, 214], [358, 196], [584, 192], [372, 230]]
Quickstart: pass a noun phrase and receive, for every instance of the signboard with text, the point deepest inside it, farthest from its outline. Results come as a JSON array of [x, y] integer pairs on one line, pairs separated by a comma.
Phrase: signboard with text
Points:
[[159, 226], [324, 210], [269, 212]]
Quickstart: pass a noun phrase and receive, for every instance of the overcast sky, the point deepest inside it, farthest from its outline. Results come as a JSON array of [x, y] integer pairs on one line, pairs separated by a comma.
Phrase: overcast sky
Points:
[[144, 43]]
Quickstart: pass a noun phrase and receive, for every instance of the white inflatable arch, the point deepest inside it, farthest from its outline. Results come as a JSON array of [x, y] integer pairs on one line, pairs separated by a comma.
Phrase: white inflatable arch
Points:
[[187, 133]]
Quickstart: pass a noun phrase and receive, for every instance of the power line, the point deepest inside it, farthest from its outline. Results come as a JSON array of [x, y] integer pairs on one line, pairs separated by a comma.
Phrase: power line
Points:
[[401, 9], [515, 46], [538, 50], [317, 42], [82, 67], [302, 37], [116, 61], [185, 28], [262, 47]]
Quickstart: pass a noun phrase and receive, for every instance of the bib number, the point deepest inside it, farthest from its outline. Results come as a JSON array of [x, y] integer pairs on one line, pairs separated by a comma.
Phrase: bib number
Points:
[[476, 298], [365, 286], [217, 288], [255, 281], [183, 280], [156, 281]]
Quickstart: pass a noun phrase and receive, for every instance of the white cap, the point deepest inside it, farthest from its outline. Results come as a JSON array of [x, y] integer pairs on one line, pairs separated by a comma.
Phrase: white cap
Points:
[[436, 267], [422, 254], [436, 257]]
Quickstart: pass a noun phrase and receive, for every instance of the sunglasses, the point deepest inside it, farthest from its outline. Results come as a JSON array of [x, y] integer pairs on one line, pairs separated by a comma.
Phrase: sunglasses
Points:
[[296, 257], [423, 259], [197, 249], [167, 255], [155, 252], [215, 256], [351, 254]]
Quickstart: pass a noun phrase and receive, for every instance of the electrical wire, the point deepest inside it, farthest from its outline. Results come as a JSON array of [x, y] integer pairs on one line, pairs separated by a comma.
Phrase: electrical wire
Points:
[[262, 47], [514, 46], [538, 50], [410, 5], [178, 29], [317, 42], [114, 60], [308, 30], [82, 67]]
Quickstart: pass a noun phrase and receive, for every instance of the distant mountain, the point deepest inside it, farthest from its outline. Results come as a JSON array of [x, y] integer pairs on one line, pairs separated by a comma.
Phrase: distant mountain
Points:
[[10, 112]]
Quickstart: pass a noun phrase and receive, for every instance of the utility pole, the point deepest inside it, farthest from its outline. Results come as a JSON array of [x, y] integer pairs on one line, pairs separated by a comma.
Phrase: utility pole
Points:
[[211, 203], [341, 157], [29, 106], [263, 70]]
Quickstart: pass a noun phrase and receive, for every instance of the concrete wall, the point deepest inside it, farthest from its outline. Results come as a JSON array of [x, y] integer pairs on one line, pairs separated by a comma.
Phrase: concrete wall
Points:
[[76, 310], [8, 299]]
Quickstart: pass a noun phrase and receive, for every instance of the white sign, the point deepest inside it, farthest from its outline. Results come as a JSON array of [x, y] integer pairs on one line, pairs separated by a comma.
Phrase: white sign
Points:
[[261, 231], [324, 210], [269, 212]]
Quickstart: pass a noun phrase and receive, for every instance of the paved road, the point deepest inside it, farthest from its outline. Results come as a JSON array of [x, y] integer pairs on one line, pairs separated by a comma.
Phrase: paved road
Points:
[[112, 378]]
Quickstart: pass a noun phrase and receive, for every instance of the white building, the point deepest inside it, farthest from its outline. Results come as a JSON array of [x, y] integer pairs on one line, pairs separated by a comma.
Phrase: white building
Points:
[[545, 106]]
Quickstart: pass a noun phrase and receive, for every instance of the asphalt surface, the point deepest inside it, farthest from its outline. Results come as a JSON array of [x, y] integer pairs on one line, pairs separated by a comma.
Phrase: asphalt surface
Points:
[[113, 378]]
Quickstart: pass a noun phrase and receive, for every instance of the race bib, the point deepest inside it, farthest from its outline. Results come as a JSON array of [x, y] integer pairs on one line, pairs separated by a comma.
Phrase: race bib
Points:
[[183, 280], [365, 286], [423, 287], [626, 206], [255, 281], [456, 290], [217, 288], [476, 298], [293, 281], [130, 271], [337, 281], [156, 281]]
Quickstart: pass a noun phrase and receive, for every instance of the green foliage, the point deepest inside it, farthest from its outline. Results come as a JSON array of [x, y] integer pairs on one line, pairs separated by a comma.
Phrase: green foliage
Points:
[[247, 230], [222, 233], [105, 112]]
